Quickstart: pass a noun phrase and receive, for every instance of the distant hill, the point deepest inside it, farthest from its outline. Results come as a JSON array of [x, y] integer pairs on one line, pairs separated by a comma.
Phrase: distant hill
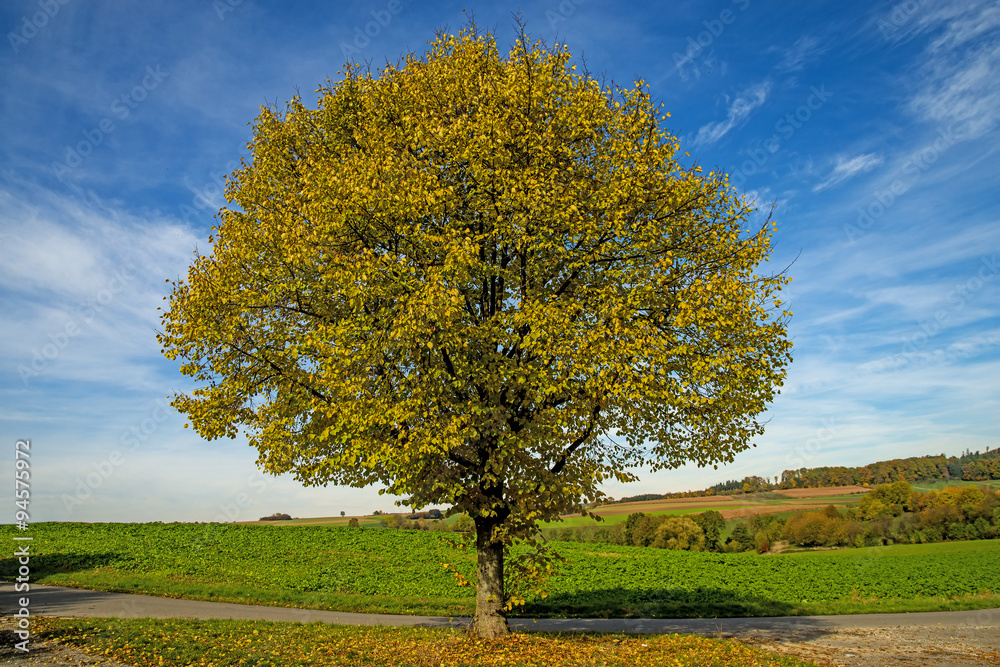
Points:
[[969, 466]]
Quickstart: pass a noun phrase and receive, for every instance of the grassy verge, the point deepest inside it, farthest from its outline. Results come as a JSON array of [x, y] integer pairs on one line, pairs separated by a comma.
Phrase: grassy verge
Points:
[[189, 643]]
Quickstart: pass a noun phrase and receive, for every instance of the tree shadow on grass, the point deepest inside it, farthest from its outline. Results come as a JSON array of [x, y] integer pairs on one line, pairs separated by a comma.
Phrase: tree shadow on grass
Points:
[[655, 603], [61, 563]]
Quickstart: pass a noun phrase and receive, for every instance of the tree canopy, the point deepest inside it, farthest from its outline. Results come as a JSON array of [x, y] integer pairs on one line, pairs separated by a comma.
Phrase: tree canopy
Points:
[[480, 282]]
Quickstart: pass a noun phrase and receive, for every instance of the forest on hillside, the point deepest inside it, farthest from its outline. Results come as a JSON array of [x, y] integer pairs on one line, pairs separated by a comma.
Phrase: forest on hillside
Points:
[[890, 514], [969, 466]]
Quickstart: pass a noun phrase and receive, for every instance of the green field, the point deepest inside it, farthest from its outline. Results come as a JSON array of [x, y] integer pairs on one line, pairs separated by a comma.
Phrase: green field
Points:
[[938, 485], [759, 503], [764, 502], [609, 520], [966, 546], [402, 572]]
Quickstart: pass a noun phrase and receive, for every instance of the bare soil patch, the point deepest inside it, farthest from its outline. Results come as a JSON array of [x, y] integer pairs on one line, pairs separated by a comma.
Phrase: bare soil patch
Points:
[[884, 647], [47, 653], [822, 491], [660, 505], [737, 513]]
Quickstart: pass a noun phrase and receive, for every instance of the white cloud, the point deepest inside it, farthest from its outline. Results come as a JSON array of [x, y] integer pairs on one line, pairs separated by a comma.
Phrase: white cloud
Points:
[[739, 111], [799, 54], [846, 168], [84, 280], [959, 83]]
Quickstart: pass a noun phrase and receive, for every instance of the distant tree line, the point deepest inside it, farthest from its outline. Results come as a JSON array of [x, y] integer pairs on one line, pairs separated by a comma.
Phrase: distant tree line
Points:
[[889, 514], [969, 466], [896, 514], [690, 532], [429, 520]]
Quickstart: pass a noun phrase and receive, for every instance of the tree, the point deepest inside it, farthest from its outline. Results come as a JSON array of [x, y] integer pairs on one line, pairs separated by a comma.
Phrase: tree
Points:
[[342, 512], [741, 538], [464, 524], [457, 277], [886, 500], [712, 524], [632, 522], [680, 533]]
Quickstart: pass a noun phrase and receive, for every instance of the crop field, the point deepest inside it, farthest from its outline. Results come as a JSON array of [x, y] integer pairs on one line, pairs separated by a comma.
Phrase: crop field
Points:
[[736, 506], [937, 486], [731, 507], [823, 492], [396, 571]]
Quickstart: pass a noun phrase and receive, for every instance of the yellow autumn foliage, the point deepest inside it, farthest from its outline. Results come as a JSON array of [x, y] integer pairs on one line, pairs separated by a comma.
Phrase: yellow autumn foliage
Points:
[[482, 282]]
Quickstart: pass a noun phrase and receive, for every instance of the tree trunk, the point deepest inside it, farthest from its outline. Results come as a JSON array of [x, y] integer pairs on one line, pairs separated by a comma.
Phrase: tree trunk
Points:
[[490, 621]]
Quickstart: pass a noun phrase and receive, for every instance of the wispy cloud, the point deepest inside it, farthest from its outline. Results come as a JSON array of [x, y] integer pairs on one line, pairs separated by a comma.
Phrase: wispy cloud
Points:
[[84, 281], [739, 111], [846, 168], [796, 56], [959, 75]]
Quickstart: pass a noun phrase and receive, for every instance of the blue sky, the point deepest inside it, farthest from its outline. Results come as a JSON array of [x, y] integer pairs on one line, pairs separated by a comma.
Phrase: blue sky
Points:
[[871, 127]]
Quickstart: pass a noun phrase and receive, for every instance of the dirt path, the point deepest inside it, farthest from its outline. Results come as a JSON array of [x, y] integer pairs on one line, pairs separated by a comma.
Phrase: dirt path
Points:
[[44, 654], [885, 647]]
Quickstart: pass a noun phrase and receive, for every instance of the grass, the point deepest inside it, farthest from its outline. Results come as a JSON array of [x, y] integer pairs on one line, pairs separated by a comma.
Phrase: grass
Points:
[[401, 572], [766, 500], [965, 546], [764, 503], [575, 521], [227, 643], [938, 485], [170, 585]]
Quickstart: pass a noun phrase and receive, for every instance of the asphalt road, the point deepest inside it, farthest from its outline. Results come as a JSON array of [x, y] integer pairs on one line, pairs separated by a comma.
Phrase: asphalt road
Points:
[[73, 602]]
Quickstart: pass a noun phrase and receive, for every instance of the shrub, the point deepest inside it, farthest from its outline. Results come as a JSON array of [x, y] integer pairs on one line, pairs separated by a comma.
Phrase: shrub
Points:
[[679, 533], [464, 524], [810, 529], [644, 533]]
